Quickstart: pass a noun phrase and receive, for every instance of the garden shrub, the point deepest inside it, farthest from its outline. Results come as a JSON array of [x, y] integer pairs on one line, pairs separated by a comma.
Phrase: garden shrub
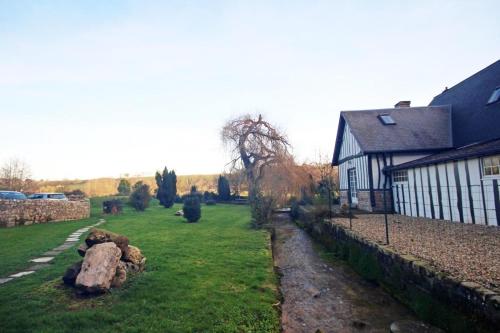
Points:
[[123, 187], [140, 196], [210, 202], [262, 208], [167, 187], [114, 206], [223, 189], [209, 196], [192, 208]]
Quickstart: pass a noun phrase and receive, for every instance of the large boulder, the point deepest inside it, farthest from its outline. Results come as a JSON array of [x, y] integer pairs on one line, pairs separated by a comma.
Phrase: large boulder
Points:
[[72, 272], [120, 275], [99, 236], [99, 268]]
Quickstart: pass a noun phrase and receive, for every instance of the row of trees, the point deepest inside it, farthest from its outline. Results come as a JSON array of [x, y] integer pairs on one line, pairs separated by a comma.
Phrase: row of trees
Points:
[[166, 192]]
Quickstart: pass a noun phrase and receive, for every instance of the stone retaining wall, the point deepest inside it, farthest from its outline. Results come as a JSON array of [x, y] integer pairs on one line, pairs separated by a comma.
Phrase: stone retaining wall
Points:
[[25, 212], [455, 306]]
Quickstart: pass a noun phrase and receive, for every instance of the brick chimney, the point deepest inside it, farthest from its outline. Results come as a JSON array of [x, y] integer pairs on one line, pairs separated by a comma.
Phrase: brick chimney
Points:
[[402, 104]]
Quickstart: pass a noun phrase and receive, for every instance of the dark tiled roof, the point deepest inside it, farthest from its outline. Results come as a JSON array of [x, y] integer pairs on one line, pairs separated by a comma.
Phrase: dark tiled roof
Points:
[[473, 120], [470, 151], [416, 129]]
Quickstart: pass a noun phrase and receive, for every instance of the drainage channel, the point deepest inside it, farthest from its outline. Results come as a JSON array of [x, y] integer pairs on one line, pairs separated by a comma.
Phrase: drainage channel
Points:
[[323, 295]]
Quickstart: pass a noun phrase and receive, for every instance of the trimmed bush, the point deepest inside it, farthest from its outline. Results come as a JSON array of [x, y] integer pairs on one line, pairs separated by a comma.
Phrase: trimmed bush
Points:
[[140, 197], [192, 208], [210, 202], [223, 189]]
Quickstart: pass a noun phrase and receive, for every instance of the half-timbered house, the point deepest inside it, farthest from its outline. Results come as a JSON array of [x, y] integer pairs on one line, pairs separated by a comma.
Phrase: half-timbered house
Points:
[[438, 161]]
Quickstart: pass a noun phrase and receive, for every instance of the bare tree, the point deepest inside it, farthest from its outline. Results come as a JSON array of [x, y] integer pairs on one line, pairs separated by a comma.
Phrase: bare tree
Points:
[[255, 144], [14, 174]]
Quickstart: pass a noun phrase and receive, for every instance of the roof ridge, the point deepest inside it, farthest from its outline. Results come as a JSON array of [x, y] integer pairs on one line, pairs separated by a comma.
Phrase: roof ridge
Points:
[[467, 78], [397, 109]]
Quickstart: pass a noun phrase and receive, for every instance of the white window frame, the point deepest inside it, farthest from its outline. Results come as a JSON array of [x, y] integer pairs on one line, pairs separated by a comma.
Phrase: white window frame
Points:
[[400, 176], [487, 163]]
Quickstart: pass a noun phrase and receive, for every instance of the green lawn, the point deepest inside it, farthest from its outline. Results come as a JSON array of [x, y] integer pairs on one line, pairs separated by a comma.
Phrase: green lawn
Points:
[[212, 276]]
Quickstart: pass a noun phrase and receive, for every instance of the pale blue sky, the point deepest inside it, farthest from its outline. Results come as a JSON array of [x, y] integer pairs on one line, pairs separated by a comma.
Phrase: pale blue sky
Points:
[[102, 88]]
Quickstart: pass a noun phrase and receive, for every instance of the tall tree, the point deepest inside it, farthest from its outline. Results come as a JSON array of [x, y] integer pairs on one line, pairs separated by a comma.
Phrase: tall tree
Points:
[[167, 187], [123, 187], [256, 144], [223, 188]]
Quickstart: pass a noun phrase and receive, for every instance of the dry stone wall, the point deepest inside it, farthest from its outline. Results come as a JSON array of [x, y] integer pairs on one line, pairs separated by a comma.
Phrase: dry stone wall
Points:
[[26, 212]]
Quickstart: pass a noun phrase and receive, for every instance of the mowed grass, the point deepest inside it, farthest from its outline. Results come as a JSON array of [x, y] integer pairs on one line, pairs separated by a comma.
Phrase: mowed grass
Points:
[[212, 276]]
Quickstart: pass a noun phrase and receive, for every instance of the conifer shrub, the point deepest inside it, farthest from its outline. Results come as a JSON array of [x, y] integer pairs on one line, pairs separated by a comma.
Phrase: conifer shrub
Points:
[[192, 208], [140, 196]]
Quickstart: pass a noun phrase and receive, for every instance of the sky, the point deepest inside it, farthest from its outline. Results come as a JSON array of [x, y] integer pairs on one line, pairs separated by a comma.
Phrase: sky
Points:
[[105, 88]]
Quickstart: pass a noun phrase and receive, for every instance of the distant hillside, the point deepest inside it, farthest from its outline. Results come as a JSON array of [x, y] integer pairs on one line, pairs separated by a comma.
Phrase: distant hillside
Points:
[[107, 186]]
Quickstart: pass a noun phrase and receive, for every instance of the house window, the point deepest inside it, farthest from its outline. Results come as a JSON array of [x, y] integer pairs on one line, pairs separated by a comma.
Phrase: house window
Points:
[[495, 96], [491, 165], [400, 176], [386, 119]]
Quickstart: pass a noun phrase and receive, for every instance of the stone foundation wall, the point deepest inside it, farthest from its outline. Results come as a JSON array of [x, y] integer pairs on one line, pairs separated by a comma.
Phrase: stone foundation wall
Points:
[[26, 212], [456, 306], [379, 201], [364, 202]]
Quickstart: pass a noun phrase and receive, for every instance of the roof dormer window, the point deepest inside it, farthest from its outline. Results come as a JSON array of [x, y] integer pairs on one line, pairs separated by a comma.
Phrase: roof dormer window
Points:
[[495, 96], [386, 119]]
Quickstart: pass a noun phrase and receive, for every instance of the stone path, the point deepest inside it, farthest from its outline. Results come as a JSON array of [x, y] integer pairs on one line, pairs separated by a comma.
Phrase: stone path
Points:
[[48, 256]]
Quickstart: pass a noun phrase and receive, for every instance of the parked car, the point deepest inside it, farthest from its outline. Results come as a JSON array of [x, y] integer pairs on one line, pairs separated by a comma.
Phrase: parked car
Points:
[[12, 195], [48, 196]]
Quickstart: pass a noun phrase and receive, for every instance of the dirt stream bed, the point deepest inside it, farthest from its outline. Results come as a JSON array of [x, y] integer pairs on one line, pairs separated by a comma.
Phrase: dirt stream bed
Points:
[[324, 295]]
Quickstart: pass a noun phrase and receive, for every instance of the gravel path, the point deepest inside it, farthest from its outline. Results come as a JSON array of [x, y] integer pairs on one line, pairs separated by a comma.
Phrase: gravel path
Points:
[[465, 251], [324, 296]]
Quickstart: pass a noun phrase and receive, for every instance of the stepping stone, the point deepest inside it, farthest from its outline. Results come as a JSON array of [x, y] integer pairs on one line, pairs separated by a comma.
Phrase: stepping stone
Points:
[[42, 259], [21, 274], [72, 239], [63, 247], [4, 280], [38, 267], [52, 253]]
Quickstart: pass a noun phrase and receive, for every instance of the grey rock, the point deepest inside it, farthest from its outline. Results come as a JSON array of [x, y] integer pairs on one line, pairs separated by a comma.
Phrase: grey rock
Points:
[[98, 268]]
